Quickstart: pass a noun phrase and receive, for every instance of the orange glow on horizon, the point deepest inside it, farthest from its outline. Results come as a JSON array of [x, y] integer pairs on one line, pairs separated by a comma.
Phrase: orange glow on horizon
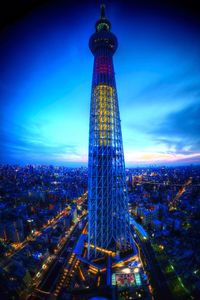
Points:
[[153, 157], [137, 157]]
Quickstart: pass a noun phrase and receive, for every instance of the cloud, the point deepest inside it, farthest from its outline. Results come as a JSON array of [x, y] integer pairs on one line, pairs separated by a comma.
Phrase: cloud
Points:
[[180, 131], [160, 98], [22, 142], [174, 87], [143, 157]]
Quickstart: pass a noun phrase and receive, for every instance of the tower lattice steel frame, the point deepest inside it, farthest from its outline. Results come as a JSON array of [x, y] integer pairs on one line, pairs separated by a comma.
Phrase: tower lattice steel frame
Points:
[[108, 219]]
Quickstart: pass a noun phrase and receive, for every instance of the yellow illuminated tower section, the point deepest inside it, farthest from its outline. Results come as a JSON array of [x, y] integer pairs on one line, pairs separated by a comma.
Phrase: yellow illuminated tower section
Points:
[[108, 225]]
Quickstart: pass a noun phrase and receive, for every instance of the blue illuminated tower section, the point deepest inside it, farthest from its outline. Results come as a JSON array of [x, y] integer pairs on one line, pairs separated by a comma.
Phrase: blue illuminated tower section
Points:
[[108, 221]]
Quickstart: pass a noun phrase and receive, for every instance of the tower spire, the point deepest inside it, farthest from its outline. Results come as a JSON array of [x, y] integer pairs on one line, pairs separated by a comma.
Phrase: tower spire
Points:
[[103, 11], [102, 23]]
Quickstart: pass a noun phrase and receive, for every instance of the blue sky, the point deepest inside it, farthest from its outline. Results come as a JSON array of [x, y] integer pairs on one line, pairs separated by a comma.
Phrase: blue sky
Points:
[[46, 78]]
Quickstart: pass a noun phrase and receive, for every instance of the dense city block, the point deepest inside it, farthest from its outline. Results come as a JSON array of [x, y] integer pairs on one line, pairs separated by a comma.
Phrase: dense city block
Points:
[[42, 216]]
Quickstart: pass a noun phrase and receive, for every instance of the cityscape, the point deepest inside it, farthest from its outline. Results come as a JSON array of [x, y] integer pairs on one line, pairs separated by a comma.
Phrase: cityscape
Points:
[[44, 212], [121, 220]]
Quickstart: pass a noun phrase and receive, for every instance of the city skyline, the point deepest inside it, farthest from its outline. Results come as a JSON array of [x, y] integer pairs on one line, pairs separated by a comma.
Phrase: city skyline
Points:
[[156, 74]]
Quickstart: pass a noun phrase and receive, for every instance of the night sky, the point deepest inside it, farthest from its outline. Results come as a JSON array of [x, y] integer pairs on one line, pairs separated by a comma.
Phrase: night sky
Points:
[[46, 73]]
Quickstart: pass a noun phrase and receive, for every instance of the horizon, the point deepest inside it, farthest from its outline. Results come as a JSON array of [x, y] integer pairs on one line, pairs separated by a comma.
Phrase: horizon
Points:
[[78, 165]]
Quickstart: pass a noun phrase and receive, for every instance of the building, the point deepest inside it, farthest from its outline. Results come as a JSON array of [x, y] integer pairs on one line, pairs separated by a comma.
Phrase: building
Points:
[[14, 231], [74, 214], [156, 224], [108, 225], [147, 215]]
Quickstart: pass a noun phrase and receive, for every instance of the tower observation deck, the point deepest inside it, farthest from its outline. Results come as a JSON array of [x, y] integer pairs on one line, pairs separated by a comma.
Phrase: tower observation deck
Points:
[[108, 219]]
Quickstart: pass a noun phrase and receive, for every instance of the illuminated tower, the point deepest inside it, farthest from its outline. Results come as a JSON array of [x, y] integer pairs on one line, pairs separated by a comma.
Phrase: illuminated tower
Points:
[[108, 225]]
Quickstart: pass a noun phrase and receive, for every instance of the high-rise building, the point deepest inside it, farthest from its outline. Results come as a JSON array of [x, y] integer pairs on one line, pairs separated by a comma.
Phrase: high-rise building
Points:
[[108, 225]]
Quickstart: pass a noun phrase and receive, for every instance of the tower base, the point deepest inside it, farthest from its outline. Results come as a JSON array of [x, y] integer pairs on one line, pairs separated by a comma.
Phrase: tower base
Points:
[[104, 265]]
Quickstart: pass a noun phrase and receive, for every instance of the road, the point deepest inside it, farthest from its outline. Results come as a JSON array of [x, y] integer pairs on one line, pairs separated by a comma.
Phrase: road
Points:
[[51, 281], [174, 202], [52, 222], [22, 245], [160, 288]]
